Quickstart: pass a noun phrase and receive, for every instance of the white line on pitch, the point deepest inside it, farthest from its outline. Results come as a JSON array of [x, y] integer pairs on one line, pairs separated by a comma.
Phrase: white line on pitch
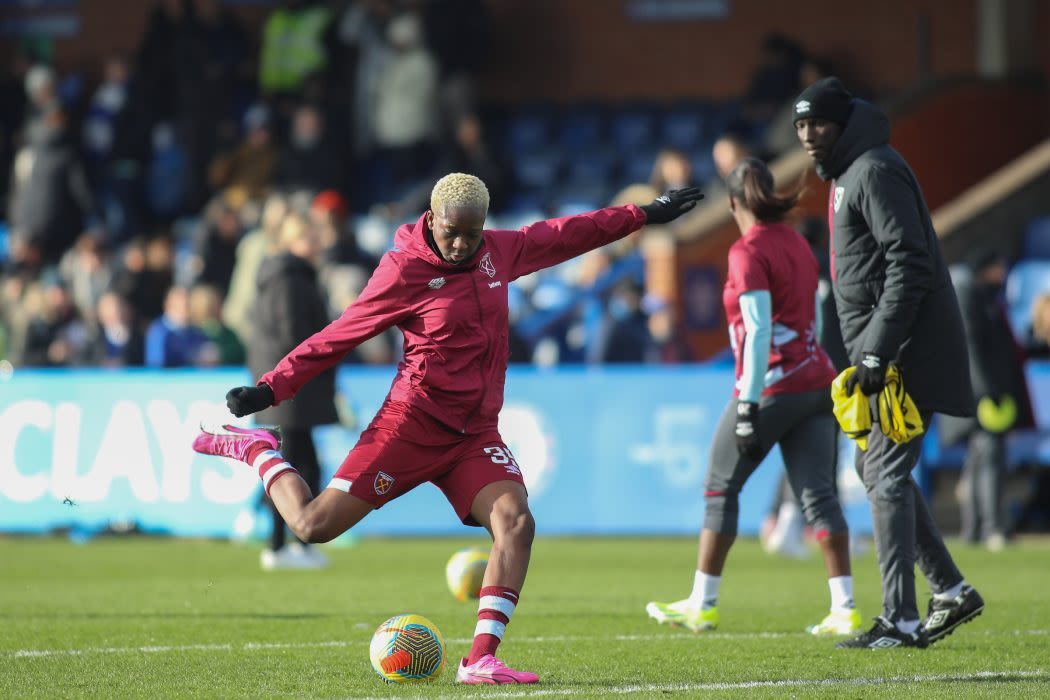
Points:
[[746, 685], [266, 646]]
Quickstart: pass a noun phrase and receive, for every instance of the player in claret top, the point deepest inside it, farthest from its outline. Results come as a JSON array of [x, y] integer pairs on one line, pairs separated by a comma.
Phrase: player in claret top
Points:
[[781, 397], [444, 285]]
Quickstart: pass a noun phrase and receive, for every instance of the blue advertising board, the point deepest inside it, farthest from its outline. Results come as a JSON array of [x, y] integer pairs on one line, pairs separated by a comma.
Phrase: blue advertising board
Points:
[[603, 451]]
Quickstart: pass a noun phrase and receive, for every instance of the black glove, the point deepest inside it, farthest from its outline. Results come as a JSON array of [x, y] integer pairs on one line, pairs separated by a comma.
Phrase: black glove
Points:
[[249, 399], [870, 375], [669, 206], [747, 442]]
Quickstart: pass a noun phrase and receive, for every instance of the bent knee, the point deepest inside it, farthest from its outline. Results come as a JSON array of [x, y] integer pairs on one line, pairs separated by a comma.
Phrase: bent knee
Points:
[[312, 530], [515, 524]]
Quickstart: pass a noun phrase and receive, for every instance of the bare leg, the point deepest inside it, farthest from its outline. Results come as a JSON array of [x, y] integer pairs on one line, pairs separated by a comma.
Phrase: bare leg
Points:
[[502, 508], [316, 519], [714, 548], [835, 548]]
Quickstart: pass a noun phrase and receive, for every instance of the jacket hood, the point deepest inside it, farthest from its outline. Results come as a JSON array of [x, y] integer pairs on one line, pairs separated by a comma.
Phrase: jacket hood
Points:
[[867, 128], [284, 264], [412, 239]]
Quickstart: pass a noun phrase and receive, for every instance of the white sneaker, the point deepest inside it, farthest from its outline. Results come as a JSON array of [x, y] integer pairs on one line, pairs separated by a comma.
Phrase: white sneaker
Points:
[[786, 538], [995, 542], [292, 556], [309, 557]]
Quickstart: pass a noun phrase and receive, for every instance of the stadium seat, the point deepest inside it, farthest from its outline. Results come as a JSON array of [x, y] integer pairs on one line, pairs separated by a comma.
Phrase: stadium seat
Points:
[[703, 164], [5, 242], [590, 167], [537, 169], [637, 166], [632, 129], [527, 206], [683, 127], [527, 130], [580, 130], [1037, 239], [722, 118], [1027, 280], [519, 218], [576, 199]]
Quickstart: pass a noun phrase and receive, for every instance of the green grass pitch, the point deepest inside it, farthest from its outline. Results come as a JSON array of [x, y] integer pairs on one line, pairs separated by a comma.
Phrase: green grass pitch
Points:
[[147, 618]]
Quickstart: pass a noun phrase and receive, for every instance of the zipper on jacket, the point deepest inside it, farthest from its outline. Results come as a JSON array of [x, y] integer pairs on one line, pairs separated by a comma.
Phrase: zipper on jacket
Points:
[[488, 343]]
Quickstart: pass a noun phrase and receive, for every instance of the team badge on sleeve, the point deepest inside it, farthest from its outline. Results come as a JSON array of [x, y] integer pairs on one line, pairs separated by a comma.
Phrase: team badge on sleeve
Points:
[[839, 193], [382, 483]]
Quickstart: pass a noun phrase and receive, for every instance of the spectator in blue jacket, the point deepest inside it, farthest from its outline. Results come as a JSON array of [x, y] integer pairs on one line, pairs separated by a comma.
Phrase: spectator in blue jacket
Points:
[[171, 340]]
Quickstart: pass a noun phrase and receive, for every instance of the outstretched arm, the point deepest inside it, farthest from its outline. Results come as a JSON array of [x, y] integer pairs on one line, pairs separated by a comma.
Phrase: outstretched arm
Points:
[[380, 306], [547, 243]]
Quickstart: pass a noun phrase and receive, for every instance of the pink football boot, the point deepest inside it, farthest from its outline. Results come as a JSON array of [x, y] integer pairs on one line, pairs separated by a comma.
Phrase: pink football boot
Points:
[[234, 442], [491, 671]]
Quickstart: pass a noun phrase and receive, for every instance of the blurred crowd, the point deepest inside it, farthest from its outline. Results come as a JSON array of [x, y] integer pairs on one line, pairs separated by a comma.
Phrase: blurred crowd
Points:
[[139, 209], [138, 212]]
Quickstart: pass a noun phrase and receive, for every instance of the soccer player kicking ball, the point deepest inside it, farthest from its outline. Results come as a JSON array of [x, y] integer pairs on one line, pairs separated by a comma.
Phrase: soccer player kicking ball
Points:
[[782, 397], [444, 285]]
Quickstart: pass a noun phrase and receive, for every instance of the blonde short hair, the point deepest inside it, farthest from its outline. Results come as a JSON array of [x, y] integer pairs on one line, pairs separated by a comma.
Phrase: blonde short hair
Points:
[[459, 190]]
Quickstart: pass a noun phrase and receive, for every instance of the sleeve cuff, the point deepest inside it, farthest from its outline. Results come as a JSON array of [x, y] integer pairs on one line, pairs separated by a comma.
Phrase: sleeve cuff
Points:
[[277, 385], [639, 216]]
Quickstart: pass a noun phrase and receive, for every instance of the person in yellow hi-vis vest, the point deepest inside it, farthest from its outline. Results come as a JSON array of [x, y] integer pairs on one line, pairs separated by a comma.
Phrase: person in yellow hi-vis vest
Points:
[[293, 45]]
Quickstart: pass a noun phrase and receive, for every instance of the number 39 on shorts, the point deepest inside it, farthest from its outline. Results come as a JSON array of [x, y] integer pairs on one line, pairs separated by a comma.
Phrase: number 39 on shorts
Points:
[[501, 455]]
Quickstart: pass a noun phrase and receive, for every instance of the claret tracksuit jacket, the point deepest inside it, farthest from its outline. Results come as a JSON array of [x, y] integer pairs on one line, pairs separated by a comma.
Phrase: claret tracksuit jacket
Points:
[[454, 317]]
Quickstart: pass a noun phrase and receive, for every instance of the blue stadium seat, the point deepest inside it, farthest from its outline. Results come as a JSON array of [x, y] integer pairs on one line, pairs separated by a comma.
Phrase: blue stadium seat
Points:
[[703, 165], [590, 167], [527, 130], [522, 216], [1027, 280], [580, 130], [1037, 239], [525, 205], [5, 242], [576, 199], [683, 127], [537, 169], [637, 166], [632, 129], [720, 118]]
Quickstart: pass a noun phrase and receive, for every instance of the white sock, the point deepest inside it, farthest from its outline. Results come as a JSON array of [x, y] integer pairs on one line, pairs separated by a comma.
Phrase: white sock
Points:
[[907, 626], [705, 590], [841, 592], [950, 593]]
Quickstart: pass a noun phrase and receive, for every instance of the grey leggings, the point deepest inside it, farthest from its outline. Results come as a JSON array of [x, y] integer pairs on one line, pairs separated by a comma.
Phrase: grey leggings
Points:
[[805, 429]]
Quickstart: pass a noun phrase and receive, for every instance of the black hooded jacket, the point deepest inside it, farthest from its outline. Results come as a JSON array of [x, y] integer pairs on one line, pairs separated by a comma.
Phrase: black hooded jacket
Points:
[[893, 292], [289, 309]]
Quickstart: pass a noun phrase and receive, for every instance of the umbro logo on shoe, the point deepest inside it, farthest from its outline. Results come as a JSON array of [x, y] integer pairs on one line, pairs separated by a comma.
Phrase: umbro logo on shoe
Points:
[[938, 618], [885, 643]]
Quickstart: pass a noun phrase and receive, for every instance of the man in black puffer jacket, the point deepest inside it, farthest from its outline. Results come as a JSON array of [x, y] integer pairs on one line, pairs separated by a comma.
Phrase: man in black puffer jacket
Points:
[[896, 305]]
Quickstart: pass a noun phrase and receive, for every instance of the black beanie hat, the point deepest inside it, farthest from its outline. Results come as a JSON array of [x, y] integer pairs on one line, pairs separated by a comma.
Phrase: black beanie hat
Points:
[[826, 99]]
